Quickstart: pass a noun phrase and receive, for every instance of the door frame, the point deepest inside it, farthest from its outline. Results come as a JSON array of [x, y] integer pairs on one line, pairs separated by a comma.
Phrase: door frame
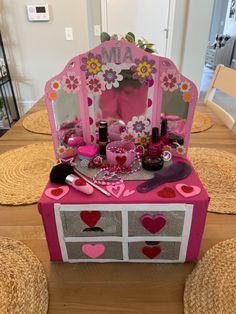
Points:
[[170, 26]]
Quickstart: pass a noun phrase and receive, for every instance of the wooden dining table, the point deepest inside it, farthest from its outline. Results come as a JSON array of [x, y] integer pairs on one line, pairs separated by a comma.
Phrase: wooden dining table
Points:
[[111, 287]]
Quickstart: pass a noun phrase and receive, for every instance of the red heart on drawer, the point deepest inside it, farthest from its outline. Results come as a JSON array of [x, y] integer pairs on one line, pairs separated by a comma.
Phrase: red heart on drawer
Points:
[[153, 223], [151, 252], [90, 218], [121, 160]]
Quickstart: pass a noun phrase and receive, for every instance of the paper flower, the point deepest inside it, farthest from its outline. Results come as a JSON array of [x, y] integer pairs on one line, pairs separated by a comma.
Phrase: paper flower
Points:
[[130, 137], [95, 84], [138, 125], [61, 149], [170, 80], [180, 150], [91, 64], [144, 139], [110, 74], [143, 69], [55, 85], [186, 97], [184, 86], [71, 83]]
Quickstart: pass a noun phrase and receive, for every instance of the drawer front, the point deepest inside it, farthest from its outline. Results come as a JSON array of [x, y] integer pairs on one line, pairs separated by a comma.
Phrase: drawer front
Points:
[[94, 250], [159, 223], [92, 223], [154, 250]]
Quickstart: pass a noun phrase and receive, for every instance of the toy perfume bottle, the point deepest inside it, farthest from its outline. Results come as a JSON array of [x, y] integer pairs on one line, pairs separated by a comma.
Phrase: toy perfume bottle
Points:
[[164, 128], [103, 138], [155, 147]]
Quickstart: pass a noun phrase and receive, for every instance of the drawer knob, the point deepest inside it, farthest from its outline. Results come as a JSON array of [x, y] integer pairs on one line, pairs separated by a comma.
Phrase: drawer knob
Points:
[[153, 223]]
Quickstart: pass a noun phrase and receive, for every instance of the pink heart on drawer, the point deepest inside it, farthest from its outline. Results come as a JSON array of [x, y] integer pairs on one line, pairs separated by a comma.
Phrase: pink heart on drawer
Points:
[[93, 250], [153, 223], [188, 190], [57, 193]]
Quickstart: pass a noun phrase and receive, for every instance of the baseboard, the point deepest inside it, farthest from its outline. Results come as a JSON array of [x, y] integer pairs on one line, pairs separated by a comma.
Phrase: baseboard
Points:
[[25, 105]]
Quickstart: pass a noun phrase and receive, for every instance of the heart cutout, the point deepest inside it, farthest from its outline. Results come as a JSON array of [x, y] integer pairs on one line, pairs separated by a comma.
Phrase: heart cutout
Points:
[[128, 193], [121, 160], [151, 252], [167, 192], [90, 218], [116, 190], [80, 182], [188, 190], [93, 250], [57, 193], [153, 223]]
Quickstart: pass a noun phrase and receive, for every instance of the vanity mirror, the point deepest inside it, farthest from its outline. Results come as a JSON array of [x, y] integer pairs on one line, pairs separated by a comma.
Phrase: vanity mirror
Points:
[[129, 88]]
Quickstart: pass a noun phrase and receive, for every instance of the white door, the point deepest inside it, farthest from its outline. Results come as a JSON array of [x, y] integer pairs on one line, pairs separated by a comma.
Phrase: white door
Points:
[[144, 18]]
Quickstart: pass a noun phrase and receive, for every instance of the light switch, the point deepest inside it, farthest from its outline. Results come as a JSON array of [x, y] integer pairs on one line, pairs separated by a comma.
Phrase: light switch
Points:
[[97, 30], [69, 33]]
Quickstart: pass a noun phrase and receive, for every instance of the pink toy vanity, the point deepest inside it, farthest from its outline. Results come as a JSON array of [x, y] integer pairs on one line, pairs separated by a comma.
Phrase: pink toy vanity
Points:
[[133, 91]]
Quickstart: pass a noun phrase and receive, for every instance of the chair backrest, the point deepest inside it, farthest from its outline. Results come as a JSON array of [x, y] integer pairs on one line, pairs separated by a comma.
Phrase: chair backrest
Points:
[[223, 79]]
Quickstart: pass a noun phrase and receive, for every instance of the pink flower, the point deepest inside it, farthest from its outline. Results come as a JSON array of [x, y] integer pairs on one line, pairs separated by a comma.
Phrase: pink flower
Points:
[[95, 84], [170, 80], [71, 83]]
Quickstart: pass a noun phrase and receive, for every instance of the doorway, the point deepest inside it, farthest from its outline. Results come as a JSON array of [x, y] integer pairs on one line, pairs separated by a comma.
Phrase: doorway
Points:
[[140, 17]]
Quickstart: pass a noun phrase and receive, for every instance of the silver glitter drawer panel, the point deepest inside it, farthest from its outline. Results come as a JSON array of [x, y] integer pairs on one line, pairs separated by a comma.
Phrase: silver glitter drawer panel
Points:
[[174, 221], [154, 250], [109, 224], [94, 250]]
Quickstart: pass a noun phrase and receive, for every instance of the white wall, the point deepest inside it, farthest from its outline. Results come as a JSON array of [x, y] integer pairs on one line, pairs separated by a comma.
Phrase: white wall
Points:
[[196, 39], [38, 50]]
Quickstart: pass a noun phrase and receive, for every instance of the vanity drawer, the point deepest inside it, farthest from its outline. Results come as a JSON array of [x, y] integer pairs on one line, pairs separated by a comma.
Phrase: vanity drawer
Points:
[[92, 223], [107, 250], [158, 223], [154, 250]]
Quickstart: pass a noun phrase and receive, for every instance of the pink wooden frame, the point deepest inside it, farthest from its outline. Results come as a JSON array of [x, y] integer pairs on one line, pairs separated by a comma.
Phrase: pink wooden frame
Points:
[[119, 51]]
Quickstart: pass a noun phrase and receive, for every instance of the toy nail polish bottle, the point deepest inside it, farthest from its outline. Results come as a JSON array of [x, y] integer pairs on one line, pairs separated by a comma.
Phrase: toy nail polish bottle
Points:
[[155, 147], [103, 138], [164, 128]]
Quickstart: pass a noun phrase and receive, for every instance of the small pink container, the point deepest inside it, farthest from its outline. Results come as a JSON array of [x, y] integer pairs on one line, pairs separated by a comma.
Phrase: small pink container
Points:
[[121, 153]]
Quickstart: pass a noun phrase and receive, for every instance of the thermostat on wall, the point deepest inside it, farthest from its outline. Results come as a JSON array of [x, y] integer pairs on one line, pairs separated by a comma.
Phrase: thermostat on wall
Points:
[[38, 12]]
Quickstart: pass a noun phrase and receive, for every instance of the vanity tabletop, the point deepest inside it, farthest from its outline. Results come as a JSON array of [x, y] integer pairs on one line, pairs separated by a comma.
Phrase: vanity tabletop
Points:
[[111, 288], [189, 190]]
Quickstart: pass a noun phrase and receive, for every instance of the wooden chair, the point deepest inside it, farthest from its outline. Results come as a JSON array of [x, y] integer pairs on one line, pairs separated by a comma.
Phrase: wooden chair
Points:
[[223, 79]]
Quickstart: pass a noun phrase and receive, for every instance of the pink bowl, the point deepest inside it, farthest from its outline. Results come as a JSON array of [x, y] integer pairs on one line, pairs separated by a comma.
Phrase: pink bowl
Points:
[[120, 153]]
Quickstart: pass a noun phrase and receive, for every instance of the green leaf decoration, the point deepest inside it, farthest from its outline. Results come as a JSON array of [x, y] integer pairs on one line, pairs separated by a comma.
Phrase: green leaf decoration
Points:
[[105, 37], [130, 37], [114, 37]]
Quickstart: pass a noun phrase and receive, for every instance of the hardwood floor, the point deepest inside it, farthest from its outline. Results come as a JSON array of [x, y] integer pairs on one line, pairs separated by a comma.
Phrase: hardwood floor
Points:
[[111, 288]]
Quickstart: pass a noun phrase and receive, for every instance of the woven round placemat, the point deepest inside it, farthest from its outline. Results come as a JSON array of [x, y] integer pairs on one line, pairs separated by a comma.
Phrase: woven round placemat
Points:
[[23, 283], [211, 287], [217, 171], [37, 122], [25, 172], [201, 122]]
